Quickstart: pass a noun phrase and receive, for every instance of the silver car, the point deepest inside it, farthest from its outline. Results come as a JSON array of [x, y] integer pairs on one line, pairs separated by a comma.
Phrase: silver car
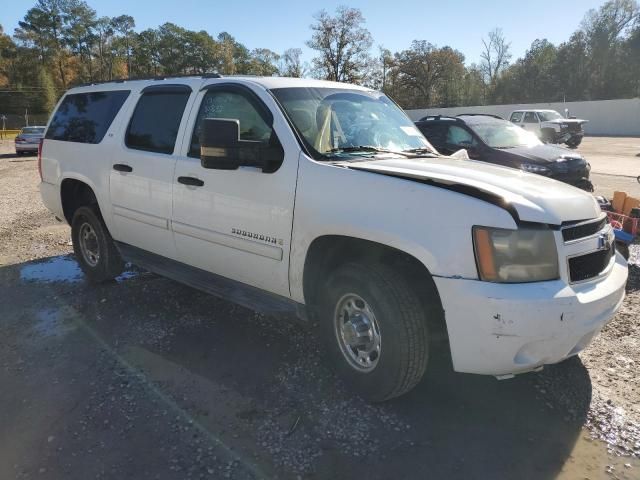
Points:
[[28, 139]]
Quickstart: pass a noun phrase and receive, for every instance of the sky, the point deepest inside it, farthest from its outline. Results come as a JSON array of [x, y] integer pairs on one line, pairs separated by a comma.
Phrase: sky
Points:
[[279, 25]]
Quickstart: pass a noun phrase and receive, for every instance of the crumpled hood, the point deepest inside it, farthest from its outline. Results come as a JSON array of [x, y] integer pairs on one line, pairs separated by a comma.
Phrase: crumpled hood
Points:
[[544, 153], [567, 120], [533, 197]]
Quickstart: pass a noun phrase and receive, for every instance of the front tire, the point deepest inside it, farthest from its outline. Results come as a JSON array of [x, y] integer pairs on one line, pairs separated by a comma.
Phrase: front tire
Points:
[[375, 330], [574, 142], [623, 248], [93, 246]]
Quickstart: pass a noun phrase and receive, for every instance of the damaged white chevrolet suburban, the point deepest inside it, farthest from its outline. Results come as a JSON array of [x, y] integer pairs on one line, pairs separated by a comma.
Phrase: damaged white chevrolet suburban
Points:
[[323, 199]]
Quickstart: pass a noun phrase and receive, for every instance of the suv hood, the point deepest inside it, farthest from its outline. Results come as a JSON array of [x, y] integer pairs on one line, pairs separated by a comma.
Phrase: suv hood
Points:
[[544, 153], [529, 197]]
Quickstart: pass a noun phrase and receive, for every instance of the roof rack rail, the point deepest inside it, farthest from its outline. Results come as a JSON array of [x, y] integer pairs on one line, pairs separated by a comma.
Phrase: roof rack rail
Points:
[[155, 77], [438, 117], [479, 115]]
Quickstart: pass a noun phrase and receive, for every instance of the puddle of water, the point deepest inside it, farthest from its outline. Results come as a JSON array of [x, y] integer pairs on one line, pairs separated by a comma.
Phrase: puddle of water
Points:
[[127, 275], [590, 459], [50, 323], [57, 269], [62, 269]]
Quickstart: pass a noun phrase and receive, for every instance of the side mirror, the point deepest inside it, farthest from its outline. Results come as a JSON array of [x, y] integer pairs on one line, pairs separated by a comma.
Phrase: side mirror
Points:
[[221, 148]]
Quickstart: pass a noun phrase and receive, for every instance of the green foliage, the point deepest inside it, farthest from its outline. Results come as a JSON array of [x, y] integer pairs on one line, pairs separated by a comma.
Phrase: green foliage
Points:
[[60, 43], [342, 44]]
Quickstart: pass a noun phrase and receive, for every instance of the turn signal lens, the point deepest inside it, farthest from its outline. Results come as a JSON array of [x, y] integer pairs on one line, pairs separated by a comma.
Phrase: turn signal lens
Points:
[[484, 254]]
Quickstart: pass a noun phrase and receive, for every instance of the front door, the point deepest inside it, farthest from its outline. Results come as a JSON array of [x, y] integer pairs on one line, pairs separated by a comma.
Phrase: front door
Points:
[[141, 179], [531, 123], [237, 223]]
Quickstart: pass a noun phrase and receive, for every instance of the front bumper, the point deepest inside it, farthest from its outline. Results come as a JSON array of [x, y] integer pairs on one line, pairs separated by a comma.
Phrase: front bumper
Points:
[[502, 329]]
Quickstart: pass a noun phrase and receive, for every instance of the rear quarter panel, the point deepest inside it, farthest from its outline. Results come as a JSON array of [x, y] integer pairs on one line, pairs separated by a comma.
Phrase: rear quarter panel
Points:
[[88, 163]]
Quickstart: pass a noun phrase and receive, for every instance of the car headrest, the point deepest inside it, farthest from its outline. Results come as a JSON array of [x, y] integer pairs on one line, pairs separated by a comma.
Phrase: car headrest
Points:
[[302, 119]]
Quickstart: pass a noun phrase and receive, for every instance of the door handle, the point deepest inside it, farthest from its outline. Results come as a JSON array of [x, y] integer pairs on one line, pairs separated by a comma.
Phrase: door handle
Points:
[[192, 181], [121, 167]]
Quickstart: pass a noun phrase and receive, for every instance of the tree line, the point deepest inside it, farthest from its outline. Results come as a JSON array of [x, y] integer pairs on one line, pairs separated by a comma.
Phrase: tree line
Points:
[[61, 43]]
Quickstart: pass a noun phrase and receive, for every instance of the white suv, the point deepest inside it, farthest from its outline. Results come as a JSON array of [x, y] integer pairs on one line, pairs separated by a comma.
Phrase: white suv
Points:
[[324, 200]]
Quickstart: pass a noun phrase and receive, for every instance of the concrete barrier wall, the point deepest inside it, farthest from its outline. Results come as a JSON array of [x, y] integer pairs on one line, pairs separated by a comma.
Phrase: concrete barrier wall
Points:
[[606, 117]]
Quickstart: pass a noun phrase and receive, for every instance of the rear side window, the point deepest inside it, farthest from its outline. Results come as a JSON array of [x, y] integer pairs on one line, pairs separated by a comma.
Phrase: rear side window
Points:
[[86, 117], [155, 121], [516, 117], [435, 133]]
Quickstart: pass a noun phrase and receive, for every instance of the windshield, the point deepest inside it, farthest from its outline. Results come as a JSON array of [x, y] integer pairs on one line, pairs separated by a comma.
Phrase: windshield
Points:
[[33, 130], [504, 135], [332, 119], [549, 115]]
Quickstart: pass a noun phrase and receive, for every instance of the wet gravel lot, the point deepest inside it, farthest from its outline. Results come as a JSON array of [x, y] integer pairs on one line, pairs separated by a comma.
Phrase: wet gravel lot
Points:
[[145, 378]]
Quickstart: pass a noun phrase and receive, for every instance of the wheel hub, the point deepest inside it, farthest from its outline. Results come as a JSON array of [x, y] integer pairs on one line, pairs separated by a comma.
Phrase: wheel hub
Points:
[[89, 246], [357, 332]]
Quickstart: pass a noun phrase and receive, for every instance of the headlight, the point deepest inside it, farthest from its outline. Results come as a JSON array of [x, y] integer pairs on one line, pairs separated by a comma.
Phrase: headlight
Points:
[[515, 256], [534, 168]]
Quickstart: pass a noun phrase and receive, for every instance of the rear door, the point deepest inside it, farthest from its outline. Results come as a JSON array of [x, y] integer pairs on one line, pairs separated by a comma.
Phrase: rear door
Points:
[[237, 223], [141, 178]]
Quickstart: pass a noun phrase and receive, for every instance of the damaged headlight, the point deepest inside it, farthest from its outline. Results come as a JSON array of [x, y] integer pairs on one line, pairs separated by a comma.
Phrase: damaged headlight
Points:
[[515, 256]]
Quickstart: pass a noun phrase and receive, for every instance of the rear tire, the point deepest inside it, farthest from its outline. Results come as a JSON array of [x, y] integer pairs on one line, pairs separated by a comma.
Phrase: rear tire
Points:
[[93, 246], [374, 328]]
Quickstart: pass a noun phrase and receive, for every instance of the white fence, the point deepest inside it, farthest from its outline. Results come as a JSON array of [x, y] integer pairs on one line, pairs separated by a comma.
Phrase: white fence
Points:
[[606, 117]]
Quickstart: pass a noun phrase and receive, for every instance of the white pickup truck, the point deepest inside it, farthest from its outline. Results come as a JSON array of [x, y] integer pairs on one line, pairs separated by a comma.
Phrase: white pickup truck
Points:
[[323, 199]]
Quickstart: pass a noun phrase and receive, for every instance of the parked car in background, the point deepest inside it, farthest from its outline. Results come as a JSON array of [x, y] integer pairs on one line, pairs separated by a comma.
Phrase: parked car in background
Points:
[[491, 139], [28, 140], [550, 126]]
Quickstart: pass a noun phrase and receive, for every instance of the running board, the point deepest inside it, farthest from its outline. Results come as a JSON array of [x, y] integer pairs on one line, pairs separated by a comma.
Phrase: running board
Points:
[[225, 288]]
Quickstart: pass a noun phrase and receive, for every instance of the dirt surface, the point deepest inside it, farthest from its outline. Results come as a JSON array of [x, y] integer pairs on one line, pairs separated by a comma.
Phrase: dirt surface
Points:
[[612, 155], [143, 378]]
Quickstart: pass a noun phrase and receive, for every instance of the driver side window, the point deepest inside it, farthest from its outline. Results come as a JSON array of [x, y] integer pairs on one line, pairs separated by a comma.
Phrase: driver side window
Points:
[[219, 103], [458, 136]]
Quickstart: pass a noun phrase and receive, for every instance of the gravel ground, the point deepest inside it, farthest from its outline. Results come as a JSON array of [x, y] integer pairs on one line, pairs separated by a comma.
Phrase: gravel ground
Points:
[[145, 378]]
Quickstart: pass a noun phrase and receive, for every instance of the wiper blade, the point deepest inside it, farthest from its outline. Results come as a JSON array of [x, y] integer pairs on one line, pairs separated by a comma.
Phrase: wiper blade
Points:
[[360, 148], [421, 150], [372, 149]]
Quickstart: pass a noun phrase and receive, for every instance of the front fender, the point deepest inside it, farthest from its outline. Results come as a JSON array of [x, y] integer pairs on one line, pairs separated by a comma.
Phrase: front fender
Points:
[[429, 223]]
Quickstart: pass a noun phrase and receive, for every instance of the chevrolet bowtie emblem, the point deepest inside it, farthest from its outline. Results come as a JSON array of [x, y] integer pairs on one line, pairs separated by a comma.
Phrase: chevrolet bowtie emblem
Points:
[[604, 242]]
